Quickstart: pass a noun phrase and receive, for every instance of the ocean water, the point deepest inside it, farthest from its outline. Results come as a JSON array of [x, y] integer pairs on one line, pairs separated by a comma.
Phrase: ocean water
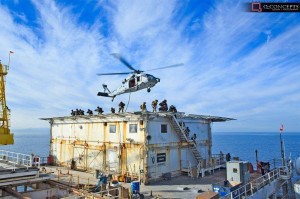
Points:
[[30, 143], [242, 145]]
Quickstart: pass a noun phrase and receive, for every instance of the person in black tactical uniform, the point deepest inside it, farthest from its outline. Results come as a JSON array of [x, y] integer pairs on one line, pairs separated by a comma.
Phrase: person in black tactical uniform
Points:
[[99, 110], [228, 157], [81, 112], [187, 131], [163, 106], [121, 107], [193, 138], [73, 113], [113, 110], [90, 112], [173, 109], [182, 124]]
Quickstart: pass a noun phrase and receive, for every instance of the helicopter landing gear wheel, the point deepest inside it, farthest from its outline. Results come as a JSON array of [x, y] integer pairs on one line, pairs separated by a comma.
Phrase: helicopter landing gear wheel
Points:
[[148, 90]]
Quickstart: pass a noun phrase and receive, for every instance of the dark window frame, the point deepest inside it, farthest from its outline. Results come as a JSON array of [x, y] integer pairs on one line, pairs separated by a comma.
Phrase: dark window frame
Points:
[[111, 125], [135, 128], [165, 130]]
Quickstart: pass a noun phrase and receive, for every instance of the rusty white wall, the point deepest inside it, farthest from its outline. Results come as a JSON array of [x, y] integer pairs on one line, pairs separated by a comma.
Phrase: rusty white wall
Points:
[[172, 163], [178, 155], [197, 126], [90, 144]]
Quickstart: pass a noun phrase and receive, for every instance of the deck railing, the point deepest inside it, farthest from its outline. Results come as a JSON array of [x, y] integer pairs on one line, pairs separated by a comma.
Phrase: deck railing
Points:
[[259, 183], [110, 192], [220, 158], [16, 158], [43, 160]]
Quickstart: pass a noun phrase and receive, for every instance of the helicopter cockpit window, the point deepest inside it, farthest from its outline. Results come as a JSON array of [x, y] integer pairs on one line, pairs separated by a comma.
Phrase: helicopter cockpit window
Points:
[[131, 83]]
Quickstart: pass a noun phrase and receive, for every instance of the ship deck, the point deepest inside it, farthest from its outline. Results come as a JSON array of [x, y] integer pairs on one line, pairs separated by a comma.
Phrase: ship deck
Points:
[[11, 174], [178, 187]]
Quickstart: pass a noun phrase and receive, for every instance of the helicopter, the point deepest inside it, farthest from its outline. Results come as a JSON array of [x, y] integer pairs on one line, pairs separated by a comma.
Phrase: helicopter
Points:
[[137, 80]]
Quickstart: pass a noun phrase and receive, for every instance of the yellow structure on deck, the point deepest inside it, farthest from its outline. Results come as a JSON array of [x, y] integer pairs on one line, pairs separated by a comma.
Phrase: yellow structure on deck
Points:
[[5, 136]]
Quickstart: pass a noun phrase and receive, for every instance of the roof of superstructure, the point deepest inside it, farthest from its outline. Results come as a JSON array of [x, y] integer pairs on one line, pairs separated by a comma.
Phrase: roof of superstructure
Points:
[[162, 114]]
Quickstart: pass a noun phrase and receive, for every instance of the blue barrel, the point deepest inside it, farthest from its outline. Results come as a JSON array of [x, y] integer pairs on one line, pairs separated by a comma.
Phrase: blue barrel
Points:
[[135, 187]]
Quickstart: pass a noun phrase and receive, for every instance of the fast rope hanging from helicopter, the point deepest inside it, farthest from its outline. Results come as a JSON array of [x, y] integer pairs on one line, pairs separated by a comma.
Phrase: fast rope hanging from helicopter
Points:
[[128, 102]]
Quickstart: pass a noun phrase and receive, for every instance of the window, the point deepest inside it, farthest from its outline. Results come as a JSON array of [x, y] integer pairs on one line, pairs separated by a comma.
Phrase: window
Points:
[[112, 128], [131, 83], [132, 128], [138, 79], [235, 170], [164, 128]]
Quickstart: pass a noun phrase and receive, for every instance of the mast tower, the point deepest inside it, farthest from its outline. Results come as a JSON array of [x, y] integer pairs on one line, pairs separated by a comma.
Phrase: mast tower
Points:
[[5, 136]]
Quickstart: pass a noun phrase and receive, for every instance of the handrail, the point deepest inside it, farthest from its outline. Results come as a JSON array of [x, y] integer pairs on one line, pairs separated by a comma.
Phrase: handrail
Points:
[[220, 158], [16, 158], [107, 191], [174, 119], [257, 184]]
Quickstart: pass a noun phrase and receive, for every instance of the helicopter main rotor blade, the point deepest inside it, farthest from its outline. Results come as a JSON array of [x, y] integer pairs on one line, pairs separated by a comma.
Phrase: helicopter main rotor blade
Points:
[[121, 59], [101, 74], [171, 66]]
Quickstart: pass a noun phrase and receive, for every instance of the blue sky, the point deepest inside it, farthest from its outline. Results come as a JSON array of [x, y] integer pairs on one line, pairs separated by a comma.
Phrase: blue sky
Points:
[[237, 64]]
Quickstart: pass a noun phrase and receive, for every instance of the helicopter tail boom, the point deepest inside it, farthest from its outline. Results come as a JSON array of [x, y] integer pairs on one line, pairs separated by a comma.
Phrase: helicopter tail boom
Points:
[[103, 94]]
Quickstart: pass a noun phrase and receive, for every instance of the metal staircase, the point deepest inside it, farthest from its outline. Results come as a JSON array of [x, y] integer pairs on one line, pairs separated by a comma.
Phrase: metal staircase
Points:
[[183, 138], [196, 153]]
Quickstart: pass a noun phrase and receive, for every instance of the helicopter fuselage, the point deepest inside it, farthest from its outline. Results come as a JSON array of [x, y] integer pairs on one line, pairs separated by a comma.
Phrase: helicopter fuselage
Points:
[[135, 82], [132, 83]]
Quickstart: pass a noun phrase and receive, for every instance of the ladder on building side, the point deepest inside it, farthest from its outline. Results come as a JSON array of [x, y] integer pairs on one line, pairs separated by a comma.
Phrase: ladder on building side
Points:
[[183, 138]]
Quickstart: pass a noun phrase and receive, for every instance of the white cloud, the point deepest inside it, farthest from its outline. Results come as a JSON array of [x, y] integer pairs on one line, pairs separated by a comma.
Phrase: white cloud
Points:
[[52, 70], [228, 71]]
